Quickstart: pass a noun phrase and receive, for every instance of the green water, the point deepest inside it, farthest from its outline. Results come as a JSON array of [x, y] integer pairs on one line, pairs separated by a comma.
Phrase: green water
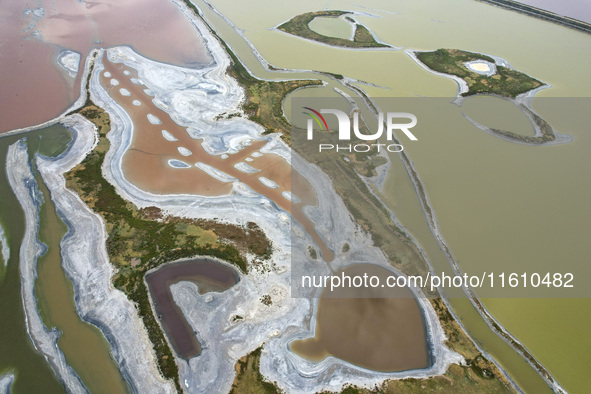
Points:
[[84, 346], [50, 141], [541, 194], [511, 208], [33, 374], [497, 114], [332, 27]]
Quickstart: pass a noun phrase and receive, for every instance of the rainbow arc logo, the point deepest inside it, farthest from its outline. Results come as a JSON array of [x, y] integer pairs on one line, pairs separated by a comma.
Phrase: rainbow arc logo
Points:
[[317, 117]]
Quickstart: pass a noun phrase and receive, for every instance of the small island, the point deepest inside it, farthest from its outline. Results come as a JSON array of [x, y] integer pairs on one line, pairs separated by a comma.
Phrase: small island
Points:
[[481, 73], [299, 26], [477, 73]]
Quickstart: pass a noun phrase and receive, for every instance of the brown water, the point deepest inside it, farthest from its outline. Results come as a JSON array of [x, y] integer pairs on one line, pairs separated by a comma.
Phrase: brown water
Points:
[[145, 163], [209, 275], [382, 330], [36, 89]]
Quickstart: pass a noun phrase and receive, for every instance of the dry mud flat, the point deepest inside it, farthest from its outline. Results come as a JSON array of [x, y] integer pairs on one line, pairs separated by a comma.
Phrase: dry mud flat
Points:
[[170, 152], [6, 381], [212, 316], [5, 249], [182, 94]]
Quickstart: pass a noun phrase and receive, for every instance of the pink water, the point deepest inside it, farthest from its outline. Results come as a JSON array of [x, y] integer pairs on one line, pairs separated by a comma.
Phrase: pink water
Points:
[[35, 89], [578, 9]]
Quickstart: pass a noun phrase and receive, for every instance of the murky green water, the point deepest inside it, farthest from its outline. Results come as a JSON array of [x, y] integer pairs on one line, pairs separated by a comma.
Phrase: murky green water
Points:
[[332, 27], [497, 114], [511, 208], [50, 141], [33, 374], [540, 194], [84, 346]]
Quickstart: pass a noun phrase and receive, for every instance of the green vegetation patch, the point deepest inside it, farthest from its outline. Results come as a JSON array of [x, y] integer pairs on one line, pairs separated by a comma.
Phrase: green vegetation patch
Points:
[[264, 99], [344, 169], [457, 379], [312, 252], [142, 239], [298, 26], [249, 379], [479, 375], [506, 82]]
